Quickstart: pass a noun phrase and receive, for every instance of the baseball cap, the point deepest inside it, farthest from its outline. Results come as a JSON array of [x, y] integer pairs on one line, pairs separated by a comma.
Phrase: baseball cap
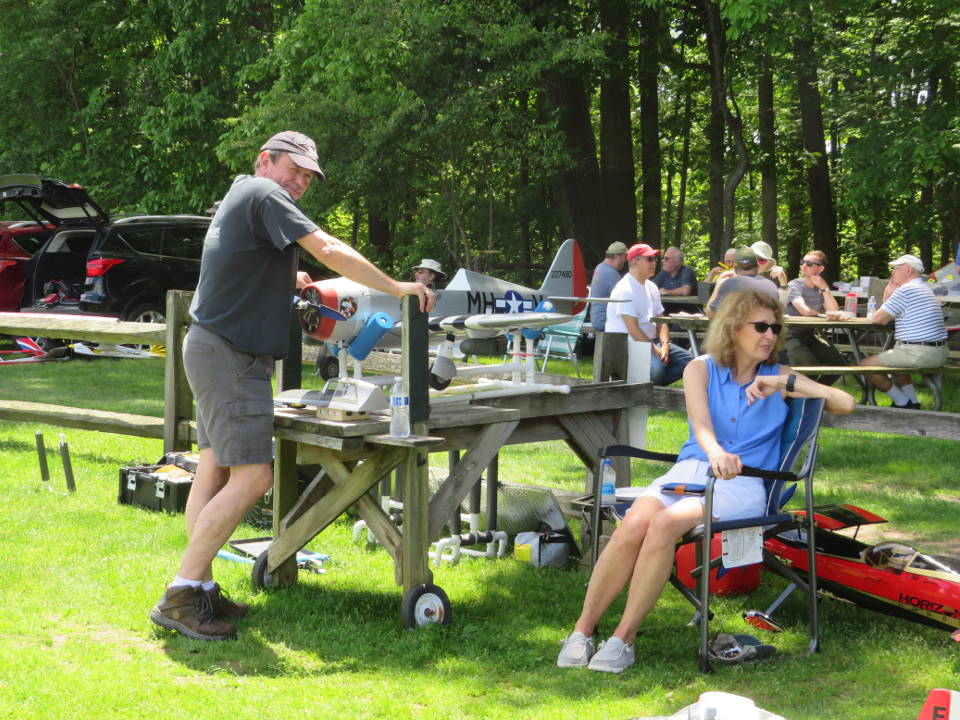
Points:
[[762, 250], [641, 250], [301, 149], [616, 248], [745, 258], [911, 260]]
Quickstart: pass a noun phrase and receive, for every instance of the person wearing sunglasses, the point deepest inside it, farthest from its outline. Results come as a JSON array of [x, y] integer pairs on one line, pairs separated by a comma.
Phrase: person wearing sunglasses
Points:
[[640, 303], [809, 295], [736, 406]]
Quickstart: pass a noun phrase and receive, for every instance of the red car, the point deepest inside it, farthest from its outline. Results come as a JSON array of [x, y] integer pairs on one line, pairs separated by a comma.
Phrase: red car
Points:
[[18, 241]]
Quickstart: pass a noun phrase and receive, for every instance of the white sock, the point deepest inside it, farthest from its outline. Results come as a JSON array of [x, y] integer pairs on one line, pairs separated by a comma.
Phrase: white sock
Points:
[[184, 582], [896, 394], [909, 392], [209, 585]]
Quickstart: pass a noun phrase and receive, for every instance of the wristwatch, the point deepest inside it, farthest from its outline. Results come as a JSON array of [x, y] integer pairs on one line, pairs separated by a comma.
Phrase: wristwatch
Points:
[[791, 382]]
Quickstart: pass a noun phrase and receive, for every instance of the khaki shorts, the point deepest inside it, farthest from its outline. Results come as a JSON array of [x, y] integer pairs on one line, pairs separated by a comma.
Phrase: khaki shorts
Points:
[[918, 356], [234, 398]]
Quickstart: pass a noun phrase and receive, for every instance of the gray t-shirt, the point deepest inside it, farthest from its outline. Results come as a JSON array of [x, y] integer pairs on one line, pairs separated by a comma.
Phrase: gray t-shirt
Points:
[[604, 279], [746, 282], [249, 265], [812, 296]]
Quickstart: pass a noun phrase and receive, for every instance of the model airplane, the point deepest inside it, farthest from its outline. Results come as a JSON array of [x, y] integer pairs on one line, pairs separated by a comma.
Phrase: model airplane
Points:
[[348, 316], [888, 577], [29, 351]]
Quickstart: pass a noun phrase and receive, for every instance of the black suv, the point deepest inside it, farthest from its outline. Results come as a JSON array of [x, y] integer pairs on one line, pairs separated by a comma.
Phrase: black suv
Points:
[[120, 267]]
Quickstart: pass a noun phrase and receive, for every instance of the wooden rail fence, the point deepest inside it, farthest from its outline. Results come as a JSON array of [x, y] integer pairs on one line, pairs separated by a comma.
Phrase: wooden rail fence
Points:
[[179, 432]]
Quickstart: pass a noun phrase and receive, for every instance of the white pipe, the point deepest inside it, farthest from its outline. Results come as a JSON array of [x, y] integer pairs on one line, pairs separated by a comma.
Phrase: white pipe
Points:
[[452, 542]]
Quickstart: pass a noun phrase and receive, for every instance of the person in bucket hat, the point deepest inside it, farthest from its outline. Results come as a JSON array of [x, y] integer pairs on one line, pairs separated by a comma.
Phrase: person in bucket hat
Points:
[[429, 273]]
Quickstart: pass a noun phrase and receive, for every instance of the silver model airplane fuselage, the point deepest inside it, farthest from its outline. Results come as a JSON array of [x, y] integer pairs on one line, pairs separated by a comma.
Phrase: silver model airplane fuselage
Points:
[[472, 303]]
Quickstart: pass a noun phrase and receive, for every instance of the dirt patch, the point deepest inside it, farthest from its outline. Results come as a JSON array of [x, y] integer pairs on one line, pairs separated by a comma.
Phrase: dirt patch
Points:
[[881, 532]]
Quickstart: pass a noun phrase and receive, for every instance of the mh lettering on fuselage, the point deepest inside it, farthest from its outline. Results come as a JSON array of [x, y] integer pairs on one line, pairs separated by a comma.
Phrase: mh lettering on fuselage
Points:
[[511, 301]]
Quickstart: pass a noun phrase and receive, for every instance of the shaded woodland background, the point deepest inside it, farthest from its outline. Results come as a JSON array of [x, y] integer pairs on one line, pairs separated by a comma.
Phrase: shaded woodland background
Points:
[[483, 132]]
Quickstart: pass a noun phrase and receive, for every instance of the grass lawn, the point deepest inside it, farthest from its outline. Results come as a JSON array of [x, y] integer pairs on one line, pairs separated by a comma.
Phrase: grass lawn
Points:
[[80, 574]]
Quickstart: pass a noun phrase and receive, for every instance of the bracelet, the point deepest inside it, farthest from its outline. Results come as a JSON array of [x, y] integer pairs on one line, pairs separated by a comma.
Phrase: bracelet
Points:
[[791, 382]]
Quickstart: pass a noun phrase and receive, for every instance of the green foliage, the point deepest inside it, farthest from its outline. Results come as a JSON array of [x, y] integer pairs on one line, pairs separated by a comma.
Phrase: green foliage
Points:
[[436, 119]]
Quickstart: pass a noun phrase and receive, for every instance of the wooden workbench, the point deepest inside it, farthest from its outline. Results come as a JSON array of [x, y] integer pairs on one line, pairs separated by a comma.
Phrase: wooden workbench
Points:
[[356, 455]]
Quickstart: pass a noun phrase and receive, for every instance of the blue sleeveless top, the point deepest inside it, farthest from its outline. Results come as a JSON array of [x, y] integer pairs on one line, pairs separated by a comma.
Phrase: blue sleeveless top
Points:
[[750, 431]]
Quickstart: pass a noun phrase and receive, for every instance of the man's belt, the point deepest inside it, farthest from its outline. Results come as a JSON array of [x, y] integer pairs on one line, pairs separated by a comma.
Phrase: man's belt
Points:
[[933, 343]]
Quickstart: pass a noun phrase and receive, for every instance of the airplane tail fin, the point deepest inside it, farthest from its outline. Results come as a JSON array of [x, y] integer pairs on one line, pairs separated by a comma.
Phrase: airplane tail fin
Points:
[[29, 346], [567, 277], [941, 705]]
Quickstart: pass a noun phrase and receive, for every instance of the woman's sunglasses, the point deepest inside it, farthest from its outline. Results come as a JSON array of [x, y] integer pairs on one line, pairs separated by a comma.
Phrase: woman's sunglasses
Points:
[[810, 263], [761, 327]]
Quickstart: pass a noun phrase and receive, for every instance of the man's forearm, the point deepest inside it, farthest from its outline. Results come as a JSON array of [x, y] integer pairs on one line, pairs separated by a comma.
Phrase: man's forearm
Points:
[[344, 260]]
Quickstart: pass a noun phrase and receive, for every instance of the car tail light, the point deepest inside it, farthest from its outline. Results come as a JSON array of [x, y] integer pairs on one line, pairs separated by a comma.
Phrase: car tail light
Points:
[[4, 264], [99, 266]]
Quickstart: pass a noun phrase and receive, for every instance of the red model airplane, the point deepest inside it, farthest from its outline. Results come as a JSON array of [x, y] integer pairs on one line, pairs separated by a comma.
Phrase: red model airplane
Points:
[[888, 577]]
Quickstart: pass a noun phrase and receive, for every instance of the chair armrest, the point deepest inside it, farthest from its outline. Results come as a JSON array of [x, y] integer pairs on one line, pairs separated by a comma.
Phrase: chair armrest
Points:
[[630, 451]]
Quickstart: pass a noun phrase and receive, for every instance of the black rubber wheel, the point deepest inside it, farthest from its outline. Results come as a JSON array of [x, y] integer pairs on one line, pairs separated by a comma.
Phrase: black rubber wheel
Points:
[[425, 604], [145, 312], [328, 367], [438, 384], [261, 579]]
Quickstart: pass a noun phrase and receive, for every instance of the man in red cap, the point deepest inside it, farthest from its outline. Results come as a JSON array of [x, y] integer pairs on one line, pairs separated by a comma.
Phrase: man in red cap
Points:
[[634, 316], [241, 318]]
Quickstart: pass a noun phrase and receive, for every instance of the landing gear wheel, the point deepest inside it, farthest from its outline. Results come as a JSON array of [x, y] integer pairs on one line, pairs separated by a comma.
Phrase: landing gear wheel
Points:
[[262, 579], [425, 604], [438, 384], [328, 367]]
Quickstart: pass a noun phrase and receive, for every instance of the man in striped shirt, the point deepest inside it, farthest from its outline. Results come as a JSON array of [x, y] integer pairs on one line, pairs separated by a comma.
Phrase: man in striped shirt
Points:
[[921, 336]]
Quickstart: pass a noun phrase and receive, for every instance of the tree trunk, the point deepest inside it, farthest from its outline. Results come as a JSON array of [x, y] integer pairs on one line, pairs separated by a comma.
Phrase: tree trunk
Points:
[[717, 47], [684, 169], [650, 159], [380, 237], [579, 185], [822, 214], [619, 221], [768, 158]]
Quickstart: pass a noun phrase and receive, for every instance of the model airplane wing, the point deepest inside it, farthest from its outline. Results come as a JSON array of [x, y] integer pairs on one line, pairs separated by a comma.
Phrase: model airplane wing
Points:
[[499, 322]]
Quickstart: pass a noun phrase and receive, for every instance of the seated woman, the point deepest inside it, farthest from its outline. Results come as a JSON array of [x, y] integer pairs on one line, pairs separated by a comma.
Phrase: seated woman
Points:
[[736, 408]]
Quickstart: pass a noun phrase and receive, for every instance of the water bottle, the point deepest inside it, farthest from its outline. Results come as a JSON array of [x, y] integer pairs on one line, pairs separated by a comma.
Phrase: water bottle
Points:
[[608, 483], [399, 410], [871, 306], [850, 304]]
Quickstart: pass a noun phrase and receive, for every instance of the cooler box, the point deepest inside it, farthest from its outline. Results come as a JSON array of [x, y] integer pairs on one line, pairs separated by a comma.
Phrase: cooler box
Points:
[[155, 487], [735, 581]]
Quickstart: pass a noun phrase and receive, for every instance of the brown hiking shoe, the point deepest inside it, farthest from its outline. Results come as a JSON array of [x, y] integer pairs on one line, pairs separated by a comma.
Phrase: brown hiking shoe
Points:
[[188, 611], [225, 608]]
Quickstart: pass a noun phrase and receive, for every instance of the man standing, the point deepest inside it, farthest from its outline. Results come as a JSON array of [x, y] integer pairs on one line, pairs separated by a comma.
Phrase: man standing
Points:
[[634, 316], [809, 295], [429, 273], [241, 316], [605, 276], [745, 266], [920, 333], [675, 278]]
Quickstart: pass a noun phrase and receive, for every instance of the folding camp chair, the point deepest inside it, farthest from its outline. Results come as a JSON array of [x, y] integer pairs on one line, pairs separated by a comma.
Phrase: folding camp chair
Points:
[[799, 433], [560, 341]]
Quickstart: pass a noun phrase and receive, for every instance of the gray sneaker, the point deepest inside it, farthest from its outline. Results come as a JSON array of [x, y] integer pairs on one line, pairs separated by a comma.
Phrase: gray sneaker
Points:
[[576, 652], [613, 656]]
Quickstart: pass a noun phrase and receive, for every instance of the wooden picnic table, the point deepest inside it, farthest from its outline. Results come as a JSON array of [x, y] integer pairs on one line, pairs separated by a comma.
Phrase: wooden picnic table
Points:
[[356, 455], [853, 328]]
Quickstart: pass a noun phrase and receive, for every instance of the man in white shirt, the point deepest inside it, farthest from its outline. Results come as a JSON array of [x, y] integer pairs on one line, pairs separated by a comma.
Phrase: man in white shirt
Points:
[[634, 317], [920, 334]]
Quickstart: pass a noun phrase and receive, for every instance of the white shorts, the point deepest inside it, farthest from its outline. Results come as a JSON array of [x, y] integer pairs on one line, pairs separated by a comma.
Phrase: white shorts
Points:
[[737, 498]]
